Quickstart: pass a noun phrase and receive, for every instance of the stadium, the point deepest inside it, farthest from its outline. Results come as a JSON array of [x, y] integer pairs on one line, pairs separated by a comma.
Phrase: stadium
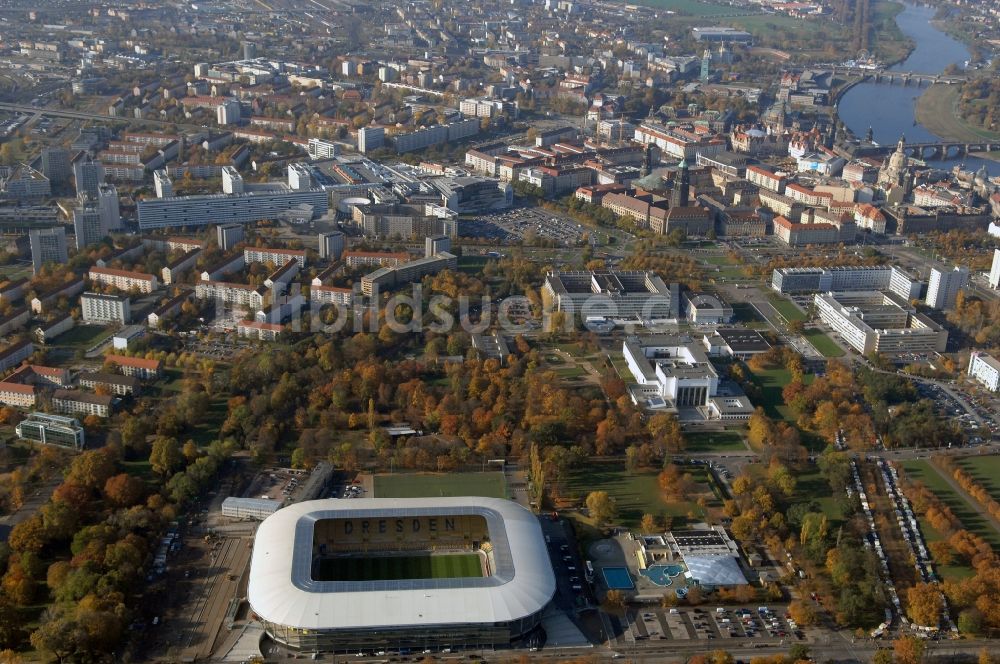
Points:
[[372, 575]]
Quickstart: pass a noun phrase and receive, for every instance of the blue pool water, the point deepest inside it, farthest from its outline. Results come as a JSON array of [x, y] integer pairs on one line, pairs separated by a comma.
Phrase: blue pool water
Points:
[[662, 574], [617, 578]]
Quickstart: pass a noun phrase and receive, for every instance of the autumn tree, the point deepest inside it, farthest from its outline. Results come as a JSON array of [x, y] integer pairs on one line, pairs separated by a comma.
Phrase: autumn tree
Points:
[[602, 507], [123, 490], [615, 599], [802, 612], [908, 650], [166, 456], [648, 524], [674, 483], [924, 604]]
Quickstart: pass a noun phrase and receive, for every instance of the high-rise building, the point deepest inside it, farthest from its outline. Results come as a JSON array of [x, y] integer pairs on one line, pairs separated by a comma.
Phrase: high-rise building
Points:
[[300, 177], [228, 112], [101, 308], [995, 270], [89, 175], [370, 138], [320, 148], [55, 165], [108, 206], [943, 286], [249, 50], [435, 244], [232, 181], [706, 65], [331, 245], [161, 181], [87, 225], [48, 245], [229, 236]]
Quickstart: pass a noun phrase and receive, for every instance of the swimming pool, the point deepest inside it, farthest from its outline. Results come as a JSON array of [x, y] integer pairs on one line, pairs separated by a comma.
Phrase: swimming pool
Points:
[[617, 578], [661, 575]]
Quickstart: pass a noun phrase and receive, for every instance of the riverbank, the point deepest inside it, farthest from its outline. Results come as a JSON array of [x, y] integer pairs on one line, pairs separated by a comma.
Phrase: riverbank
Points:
[[937, 111]]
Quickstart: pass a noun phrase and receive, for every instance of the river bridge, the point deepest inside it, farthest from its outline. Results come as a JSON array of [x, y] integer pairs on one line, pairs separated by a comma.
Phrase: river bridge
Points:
[[924, 151], [898, 77]]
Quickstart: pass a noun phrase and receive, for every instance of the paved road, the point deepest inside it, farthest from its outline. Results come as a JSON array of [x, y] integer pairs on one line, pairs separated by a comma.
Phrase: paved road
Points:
[[32, 503]]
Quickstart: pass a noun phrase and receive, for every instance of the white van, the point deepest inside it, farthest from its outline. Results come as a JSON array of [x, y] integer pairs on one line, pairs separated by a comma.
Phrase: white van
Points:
[[674, 611], [720, 610]]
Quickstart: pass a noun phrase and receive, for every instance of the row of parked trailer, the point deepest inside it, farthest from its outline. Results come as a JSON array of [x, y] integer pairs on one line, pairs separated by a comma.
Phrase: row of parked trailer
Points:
[[910, 528], [872, 541], [907, 522]]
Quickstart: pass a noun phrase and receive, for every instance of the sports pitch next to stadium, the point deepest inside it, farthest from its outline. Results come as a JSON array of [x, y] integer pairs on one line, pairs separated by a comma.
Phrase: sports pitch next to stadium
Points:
[[395, 568], [490, 484]]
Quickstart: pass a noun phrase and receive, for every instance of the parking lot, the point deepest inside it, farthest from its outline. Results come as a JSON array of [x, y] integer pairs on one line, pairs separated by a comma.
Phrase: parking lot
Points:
[[769, 623], [521, 222]]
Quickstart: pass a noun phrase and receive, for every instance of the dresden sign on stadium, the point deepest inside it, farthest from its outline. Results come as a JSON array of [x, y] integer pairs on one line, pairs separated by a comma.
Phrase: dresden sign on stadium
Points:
[[373, 575]]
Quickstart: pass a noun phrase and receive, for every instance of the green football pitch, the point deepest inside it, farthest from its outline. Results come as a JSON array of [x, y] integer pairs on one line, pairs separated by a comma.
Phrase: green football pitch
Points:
[[394, 568]]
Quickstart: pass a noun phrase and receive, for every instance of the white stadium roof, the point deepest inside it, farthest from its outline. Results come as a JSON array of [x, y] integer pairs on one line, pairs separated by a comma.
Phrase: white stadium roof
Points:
[[281, 589]]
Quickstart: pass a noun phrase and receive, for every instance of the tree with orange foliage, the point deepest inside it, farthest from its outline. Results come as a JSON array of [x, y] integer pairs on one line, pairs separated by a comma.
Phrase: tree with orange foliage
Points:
[[924, 604], [908, 650]]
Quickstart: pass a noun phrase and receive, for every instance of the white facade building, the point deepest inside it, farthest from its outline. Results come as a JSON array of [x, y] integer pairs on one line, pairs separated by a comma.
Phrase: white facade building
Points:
[[943, 286], [985, 369], [995, 270], [103, 309]]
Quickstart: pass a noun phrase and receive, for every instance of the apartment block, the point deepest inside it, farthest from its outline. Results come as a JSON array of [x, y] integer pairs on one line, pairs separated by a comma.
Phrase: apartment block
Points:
[[104, 309], [124, 280], [276, 256], [985, 369]]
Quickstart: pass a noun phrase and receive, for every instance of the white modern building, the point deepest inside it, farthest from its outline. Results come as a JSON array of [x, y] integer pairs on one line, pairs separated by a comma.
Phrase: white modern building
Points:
[[674, 368], [611, 294], [994, 278], [985, 369], [52, 430], [943, 286], [103, 309], [245, 208], [836, 279], [875, 322]]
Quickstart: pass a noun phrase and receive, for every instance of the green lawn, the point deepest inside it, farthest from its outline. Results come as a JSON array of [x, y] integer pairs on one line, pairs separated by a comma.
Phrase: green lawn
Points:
[[692, 7], [786, 308], [771, 383], [985, 470], [636, 493], [718, 441], [431, 485], [924, 471], [141, 469], [811, 486], [394, 568], [570, 372], [472, 264], [14, 272], [824, 344], [720, 261], [83, 336]]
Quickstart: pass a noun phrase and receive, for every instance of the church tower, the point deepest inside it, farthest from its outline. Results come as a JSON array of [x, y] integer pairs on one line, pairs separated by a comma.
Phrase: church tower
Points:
[[682, 186]]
